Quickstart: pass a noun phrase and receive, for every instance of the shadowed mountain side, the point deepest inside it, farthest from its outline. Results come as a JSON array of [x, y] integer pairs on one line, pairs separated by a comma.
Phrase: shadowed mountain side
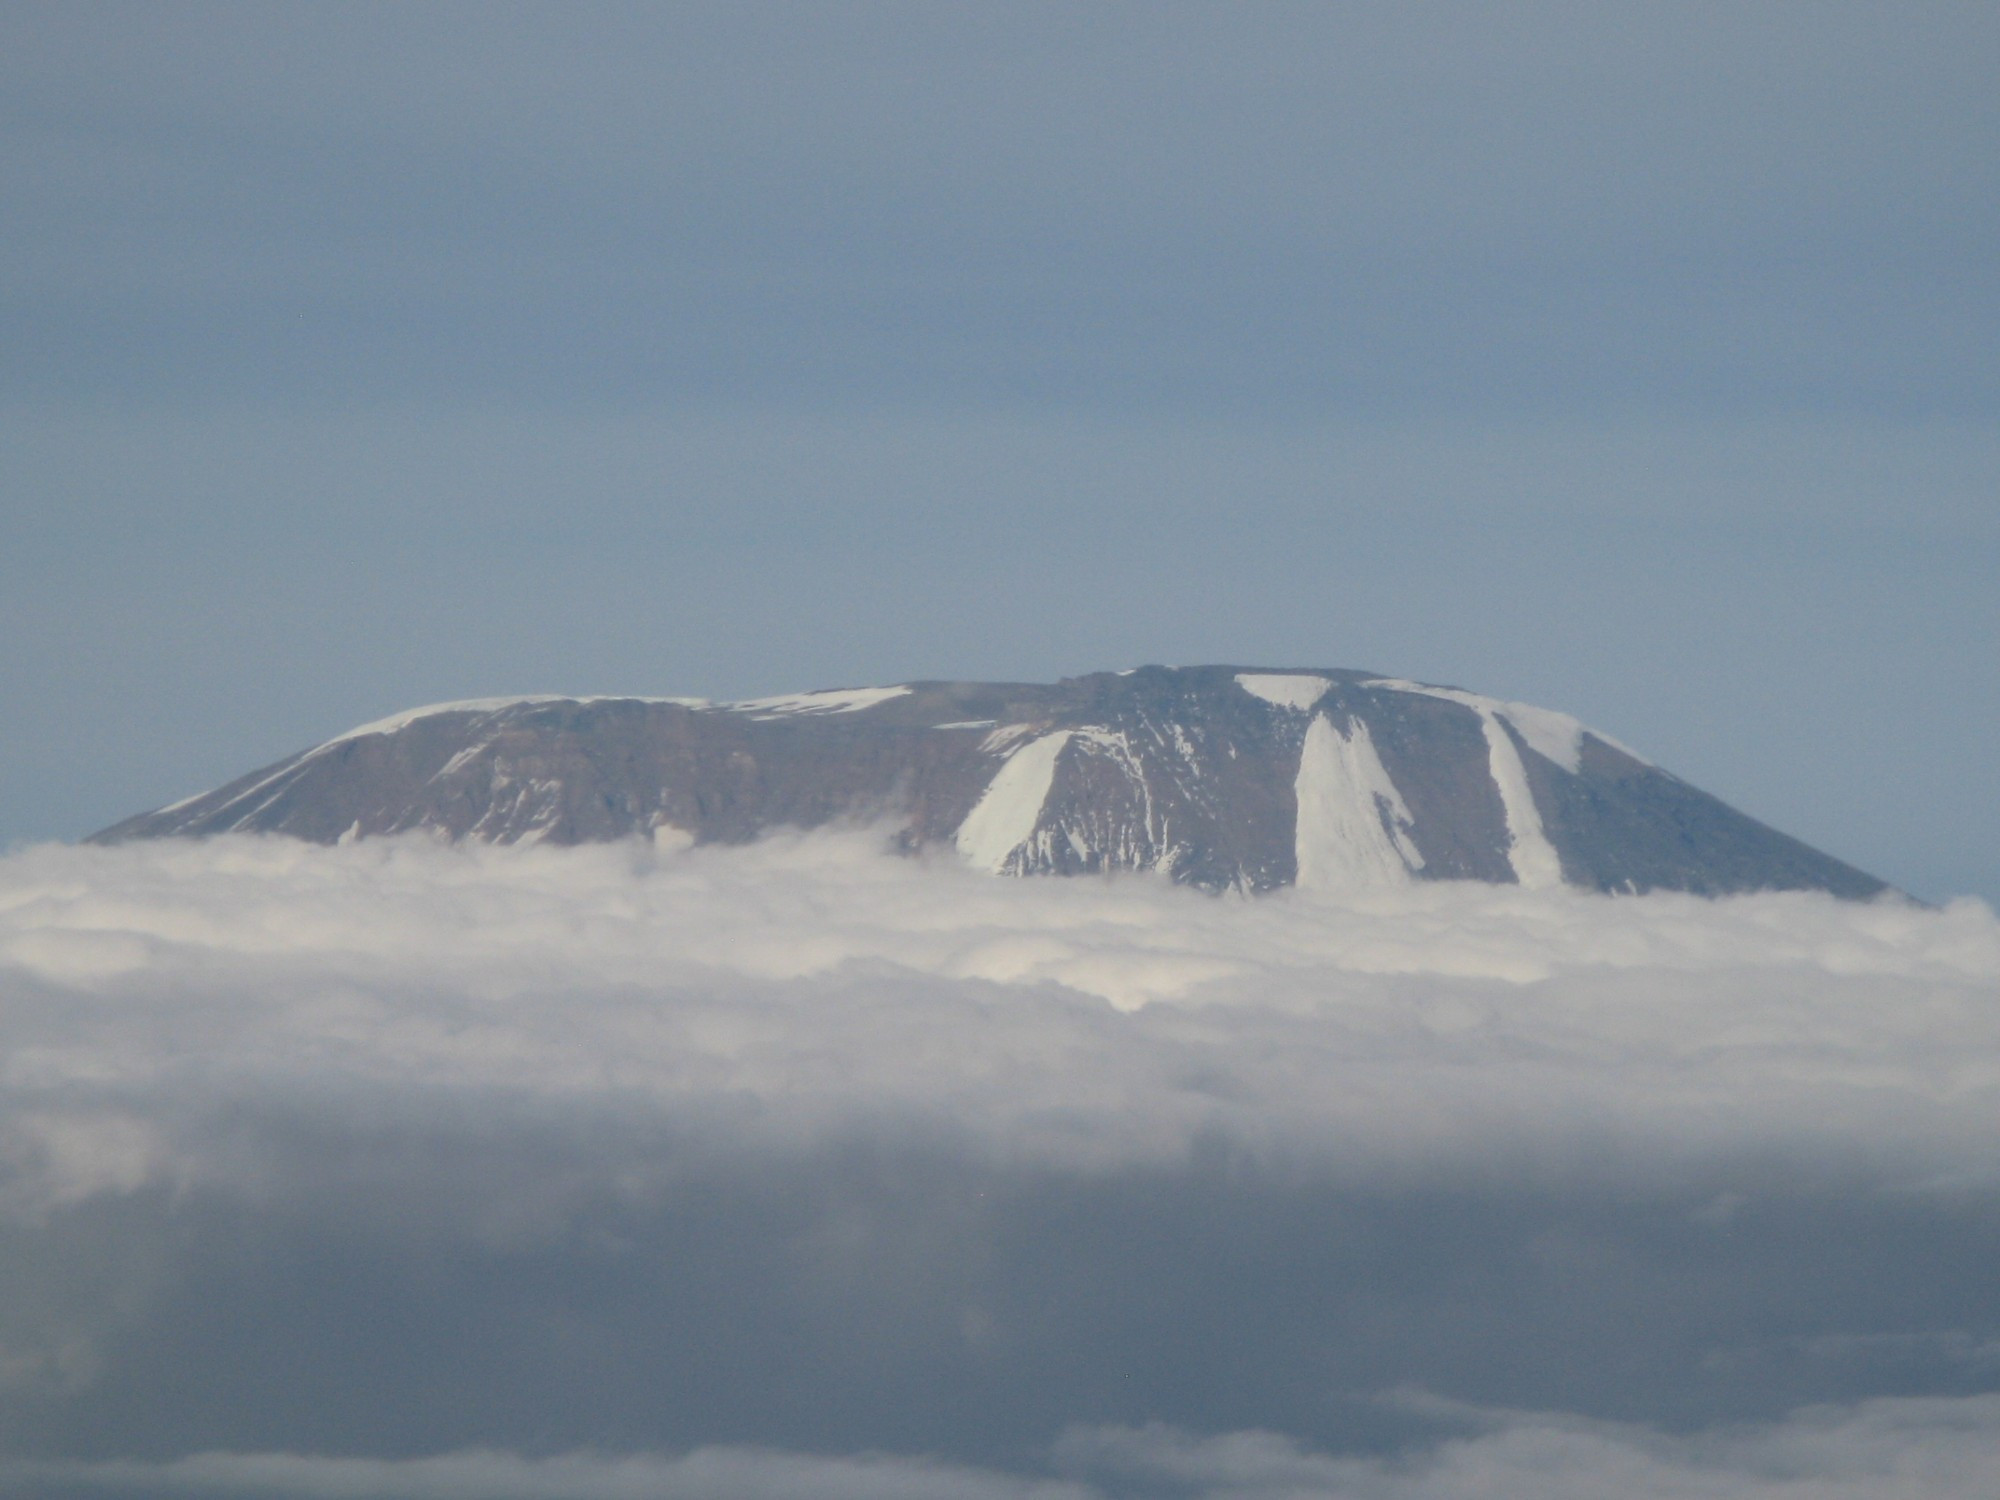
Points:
[[1220, 777]]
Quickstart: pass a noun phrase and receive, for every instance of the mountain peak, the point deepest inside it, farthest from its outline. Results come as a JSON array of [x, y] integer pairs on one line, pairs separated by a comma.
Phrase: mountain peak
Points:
[[1224, 777]]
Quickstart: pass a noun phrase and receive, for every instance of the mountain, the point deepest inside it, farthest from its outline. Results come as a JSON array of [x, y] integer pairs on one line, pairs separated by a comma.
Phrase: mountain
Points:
[[1221, 777]]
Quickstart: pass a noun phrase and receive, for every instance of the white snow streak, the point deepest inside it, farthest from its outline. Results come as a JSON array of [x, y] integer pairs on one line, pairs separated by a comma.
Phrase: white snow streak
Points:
[[1351, 819], [463, 759], [1005, 735], [410, 716], [187, 801], [1005, 817], [833, 701], [1535, 861], [248, 792], [1287, 691], [403, 720], [830, 701], [1556, 736]]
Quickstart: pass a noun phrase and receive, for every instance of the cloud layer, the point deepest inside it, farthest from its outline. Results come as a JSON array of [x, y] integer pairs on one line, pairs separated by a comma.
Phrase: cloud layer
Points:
[[1878, 1450], [395, 1151], [825, 980]]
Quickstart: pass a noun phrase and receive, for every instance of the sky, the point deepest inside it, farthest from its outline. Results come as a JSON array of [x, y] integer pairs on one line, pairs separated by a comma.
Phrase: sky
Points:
[[1634, 360]]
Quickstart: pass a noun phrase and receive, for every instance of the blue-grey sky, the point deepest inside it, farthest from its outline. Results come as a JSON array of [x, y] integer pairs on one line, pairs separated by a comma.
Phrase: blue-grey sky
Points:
[[1638, 360]]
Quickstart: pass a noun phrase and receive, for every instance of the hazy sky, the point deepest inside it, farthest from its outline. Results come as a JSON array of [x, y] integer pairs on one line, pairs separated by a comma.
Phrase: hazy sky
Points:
[[1634, 360]]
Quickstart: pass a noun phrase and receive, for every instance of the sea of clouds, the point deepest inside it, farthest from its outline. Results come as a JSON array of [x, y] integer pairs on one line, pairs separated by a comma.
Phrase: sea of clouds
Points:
[[805, 1169]]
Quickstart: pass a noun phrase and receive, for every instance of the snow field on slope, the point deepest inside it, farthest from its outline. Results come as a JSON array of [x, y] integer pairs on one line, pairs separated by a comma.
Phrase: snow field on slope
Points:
[[1351, 819], [1005, 816], [1296, 691]]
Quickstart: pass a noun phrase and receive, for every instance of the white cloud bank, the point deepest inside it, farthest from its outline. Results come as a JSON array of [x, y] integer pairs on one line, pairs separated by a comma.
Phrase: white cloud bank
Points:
[[809, 1150], [1093, 1020]]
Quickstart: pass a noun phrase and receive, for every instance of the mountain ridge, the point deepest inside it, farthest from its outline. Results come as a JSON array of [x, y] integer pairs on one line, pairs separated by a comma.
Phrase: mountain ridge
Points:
[[1224, 777]]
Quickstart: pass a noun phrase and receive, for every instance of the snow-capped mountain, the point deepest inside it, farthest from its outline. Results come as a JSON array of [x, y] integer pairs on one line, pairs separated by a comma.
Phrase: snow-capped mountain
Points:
[[1221, 777]]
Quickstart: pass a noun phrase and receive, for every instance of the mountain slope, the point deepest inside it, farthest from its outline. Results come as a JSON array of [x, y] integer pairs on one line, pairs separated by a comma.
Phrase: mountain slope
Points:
[[1221, 777]]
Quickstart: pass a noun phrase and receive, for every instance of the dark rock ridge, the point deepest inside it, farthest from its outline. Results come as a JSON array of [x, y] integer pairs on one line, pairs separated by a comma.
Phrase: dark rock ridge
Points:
[[1221, 777]]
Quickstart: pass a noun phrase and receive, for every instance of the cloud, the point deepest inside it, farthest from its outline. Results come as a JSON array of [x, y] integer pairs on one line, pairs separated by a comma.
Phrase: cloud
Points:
[[1117, 1019], [401, 1148], [1877, 1450], [710, 1474], [1905, 1449]]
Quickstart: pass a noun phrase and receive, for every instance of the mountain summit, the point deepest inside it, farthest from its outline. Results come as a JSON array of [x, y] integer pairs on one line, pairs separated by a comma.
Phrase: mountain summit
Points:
[[1220, 777]]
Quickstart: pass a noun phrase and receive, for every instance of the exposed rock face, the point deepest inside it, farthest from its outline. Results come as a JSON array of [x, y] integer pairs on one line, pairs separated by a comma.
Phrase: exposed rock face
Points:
[[1222, 777]]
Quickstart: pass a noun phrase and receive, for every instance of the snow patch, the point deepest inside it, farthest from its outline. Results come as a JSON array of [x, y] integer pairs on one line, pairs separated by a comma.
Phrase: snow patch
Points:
[[1005, 816], [1557, 736], [1110, 739], [283, 771], [1353, 825], [1554, 735], [187, 801], [410, 716], [463, 759], [1536, 863], [830, 701], [1294, 691], [1004, 736]]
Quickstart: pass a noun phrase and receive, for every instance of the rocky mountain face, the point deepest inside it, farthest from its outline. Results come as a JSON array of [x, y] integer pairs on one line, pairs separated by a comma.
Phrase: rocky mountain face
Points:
[[1220, 777]]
